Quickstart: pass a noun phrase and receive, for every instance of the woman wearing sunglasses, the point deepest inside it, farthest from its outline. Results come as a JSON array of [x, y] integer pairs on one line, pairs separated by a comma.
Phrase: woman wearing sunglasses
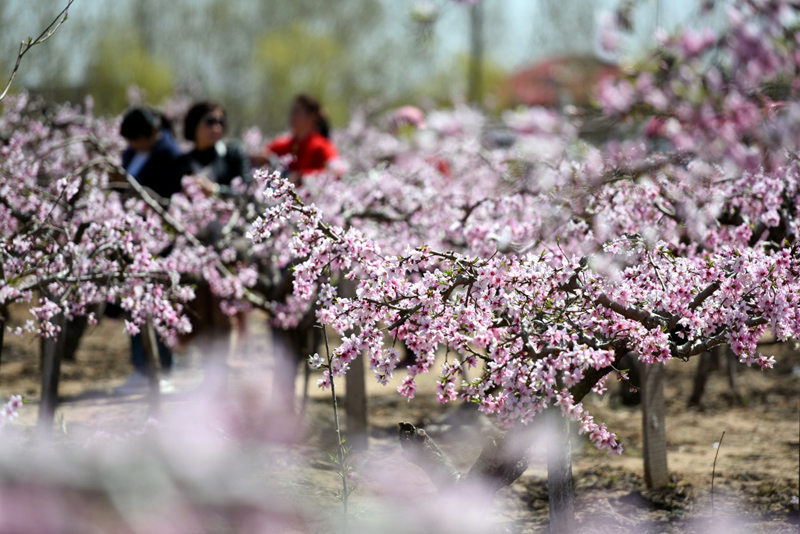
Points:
[[213, 162]]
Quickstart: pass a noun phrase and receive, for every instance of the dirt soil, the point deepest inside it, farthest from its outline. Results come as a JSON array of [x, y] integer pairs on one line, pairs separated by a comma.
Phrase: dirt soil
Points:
[[756, 472]]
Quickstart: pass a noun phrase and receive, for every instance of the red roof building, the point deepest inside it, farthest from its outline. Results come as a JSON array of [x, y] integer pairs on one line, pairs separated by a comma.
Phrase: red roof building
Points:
[[558, 82]]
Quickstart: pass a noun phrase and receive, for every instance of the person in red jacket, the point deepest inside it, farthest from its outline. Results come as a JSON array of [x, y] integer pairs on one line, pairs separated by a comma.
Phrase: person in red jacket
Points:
[[308, 142]]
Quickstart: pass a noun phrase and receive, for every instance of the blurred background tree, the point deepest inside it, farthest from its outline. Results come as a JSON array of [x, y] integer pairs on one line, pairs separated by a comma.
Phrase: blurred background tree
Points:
[[292, 60], [254, 55], [120, 61]]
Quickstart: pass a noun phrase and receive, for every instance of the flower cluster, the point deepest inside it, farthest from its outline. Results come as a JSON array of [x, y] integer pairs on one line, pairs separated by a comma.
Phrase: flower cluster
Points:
[[68, 241], [526, 250]]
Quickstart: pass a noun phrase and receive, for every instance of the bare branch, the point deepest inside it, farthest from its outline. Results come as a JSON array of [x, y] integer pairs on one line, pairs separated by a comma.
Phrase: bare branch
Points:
[[24, 46], [687, 350], [641, 316]]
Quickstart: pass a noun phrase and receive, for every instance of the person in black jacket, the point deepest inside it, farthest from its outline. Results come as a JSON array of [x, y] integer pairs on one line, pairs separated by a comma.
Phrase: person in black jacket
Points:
[[154, 159], [153, 156], [213, 162]]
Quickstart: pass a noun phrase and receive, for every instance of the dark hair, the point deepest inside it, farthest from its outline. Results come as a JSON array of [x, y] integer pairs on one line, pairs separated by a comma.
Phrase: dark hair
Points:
[[142, 122], [312, 106], [196, 114]]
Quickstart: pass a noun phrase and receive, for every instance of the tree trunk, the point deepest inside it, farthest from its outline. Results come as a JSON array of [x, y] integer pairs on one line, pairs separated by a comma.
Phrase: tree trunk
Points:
[[631, 389], [725, 353], [707, 364], [419, 448], [151, 358], [559, 474], [72, 336], [504, 460], [52, 351], [288, 347], [653, 427]]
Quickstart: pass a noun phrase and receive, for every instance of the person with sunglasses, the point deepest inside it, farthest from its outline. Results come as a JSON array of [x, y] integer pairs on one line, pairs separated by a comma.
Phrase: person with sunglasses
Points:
[[212, 161], [214, 164]]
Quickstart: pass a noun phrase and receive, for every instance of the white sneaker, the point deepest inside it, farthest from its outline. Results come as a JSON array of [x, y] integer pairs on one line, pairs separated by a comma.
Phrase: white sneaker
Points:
[[165, 385], [136, 383]]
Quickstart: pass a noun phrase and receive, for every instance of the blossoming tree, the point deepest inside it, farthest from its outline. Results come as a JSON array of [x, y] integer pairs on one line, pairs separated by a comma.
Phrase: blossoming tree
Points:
[[68, 241]]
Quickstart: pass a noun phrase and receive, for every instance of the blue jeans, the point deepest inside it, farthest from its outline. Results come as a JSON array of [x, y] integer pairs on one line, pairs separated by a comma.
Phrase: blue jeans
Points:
[[139, 360]]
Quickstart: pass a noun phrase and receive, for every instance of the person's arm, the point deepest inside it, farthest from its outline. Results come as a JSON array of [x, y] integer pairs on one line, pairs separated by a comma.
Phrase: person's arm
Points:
[[185, 168], [261, 159], [280, 146]]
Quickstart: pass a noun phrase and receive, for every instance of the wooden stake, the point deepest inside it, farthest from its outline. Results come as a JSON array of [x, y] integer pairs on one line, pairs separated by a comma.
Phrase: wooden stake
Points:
[[355, 400], [52, 352], [654, 427], [151, 356], [355, 405], [560, 486]]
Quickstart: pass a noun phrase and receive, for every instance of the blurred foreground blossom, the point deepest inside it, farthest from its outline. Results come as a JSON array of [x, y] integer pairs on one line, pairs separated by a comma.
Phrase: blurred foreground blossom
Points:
[[229, 460], [10, 410]]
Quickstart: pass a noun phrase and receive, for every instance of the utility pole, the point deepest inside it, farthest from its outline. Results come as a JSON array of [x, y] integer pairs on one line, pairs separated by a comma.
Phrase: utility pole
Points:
[[475, 74], [142, 21]]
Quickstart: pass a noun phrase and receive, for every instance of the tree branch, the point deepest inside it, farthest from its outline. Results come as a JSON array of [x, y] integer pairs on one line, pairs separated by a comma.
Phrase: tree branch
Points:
[[641, 316], [24, 46], [382, 217], [592, 376], [420, 449], [502, 460], [63, 278], [703, 295], [256, 300]]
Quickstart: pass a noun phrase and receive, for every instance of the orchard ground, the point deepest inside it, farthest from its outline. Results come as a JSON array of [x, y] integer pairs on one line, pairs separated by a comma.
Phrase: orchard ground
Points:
[[756, 472]]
